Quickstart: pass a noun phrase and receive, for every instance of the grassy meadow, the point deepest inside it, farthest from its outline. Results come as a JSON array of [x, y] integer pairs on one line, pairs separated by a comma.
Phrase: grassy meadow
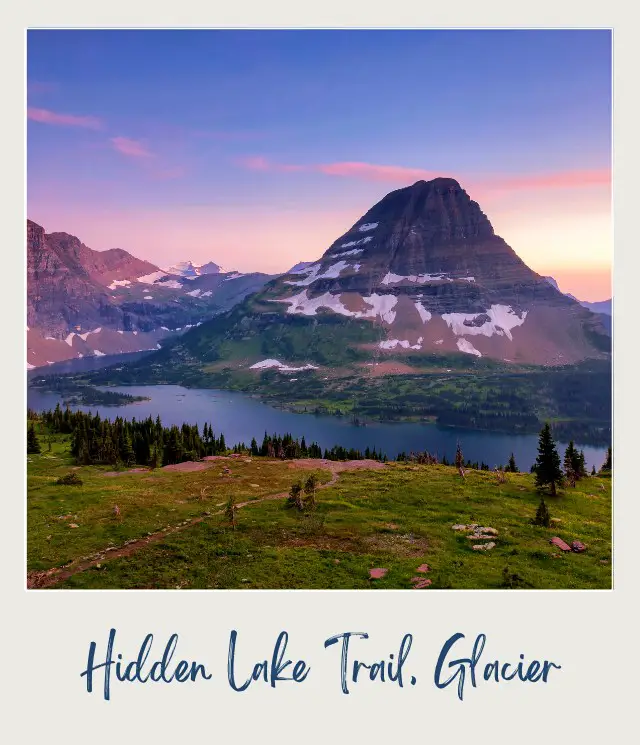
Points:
[[172, 531]]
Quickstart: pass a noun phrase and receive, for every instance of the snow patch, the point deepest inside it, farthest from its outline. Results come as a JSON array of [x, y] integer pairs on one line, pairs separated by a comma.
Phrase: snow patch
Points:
[[330, 273], [148, 297], [69, 339], [98, 353], [381, 305], [208, 293], [119, 283], [368, 226], [439, 341], [353, 252], [84, 336], [267, 364], [502, 318], [30, 366], [194, 293], [149, 279], [393, 343], [391, 279], [359, 242], [235, 275], [464, 345], [172, 283], [120, 332], [424, 314]]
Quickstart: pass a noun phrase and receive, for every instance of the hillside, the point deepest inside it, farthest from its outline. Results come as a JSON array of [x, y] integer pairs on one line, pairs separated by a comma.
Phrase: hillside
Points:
[[171, 530]]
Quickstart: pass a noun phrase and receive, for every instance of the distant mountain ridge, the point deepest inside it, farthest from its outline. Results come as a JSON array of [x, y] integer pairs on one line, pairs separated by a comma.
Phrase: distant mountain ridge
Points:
[[599, 306], [85, 302]]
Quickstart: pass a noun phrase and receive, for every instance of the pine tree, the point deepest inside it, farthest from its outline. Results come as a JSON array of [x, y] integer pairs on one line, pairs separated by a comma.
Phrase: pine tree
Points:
[[511, 466], [570, 463], [608, 463], [231, 511], [593, 471], [295, 497], [459, 457], [547, 466], [310, 490], [33, 444], [542, 517]]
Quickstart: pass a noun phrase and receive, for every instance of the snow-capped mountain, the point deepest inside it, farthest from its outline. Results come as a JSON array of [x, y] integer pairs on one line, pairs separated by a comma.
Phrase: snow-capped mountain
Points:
[[83, 302], [189, 270], [421, 273]]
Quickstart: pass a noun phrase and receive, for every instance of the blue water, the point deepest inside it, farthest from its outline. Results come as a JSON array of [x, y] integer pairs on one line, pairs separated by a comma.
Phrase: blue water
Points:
[[241, 417]]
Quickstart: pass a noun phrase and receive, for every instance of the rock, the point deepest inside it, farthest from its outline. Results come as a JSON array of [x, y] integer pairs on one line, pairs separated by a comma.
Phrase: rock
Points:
[[556, 520], [73, 525], [559, 543], [491, 531], [578, 547], [484, 546], [377, 573], [423, 568], [421, 583], [458, 527], [480, 537]]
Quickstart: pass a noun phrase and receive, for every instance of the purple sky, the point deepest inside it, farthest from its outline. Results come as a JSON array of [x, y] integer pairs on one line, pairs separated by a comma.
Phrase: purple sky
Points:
[[256, 149]]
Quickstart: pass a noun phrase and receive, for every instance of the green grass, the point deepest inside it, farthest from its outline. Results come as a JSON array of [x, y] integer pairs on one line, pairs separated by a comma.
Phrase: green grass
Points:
[[397, 518]]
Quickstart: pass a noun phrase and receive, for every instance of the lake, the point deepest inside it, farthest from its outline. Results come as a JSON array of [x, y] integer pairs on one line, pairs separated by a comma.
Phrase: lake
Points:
[[241, 417]]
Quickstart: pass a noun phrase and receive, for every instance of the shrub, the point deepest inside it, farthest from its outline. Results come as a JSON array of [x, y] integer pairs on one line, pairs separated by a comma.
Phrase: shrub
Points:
[[69, 479]]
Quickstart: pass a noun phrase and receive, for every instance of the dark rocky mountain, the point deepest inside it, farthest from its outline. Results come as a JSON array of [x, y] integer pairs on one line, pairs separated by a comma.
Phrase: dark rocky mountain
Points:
[[422, 274], [85, 302]]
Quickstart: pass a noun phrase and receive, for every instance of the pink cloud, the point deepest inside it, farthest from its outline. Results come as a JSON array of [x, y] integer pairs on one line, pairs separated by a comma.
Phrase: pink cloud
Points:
[[372, 172], [131, 148], [404, 175], [44, 116]]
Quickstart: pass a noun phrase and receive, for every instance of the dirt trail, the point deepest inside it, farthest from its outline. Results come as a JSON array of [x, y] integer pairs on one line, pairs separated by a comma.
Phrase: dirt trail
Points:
[[50, 577]]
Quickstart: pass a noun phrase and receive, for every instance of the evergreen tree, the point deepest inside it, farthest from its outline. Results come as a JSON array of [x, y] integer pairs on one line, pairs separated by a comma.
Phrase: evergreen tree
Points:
[[310, 486], [542, 517], [459, 457], [570, 463], [127, 454], [511, 465], [231, 511], [295, 497], [547, 466], [33, 444], [593, 471], [608, 463]]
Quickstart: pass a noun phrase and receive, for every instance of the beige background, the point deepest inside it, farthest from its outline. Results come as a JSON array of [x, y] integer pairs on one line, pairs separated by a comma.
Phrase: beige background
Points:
[[592, 634]]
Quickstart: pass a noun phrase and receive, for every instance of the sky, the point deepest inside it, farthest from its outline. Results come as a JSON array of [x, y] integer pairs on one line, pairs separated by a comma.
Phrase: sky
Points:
[[257, 149]]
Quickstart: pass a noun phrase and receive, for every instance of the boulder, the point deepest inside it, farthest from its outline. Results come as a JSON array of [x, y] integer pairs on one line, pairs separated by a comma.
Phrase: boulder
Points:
[[578, 547], [559, 543], [484, 546], [377, 573]]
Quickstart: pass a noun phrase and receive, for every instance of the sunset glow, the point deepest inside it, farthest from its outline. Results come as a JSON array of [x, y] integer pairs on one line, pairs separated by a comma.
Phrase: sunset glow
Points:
[[257, 149]]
